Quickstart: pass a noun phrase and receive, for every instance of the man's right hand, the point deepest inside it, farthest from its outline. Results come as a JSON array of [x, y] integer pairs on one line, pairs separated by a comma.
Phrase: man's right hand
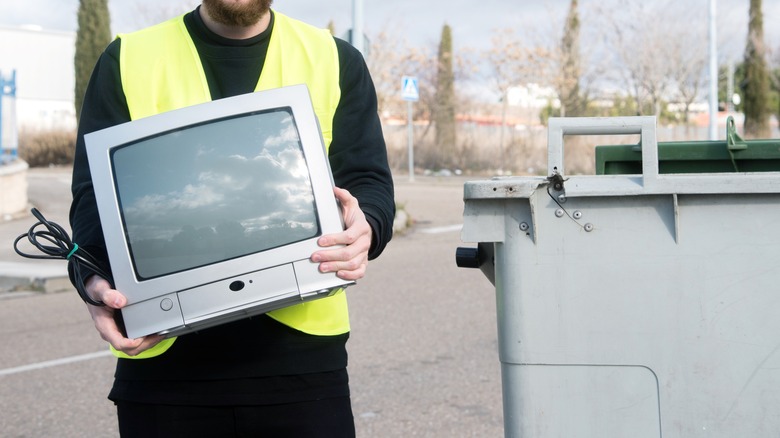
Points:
[[103, 317]]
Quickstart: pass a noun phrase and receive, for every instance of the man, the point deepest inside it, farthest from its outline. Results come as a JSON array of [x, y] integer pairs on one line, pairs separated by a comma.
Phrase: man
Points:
[[281, 374]]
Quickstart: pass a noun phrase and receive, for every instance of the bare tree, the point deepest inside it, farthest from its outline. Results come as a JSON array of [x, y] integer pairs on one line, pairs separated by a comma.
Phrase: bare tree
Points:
[[391, 59], [688, 63], [570, 63], [511, 61], [148, 14], [641, 37]]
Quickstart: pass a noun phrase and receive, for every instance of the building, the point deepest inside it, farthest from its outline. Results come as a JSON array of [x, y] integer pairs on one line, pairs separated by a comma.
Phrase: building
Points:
[[45, 78]]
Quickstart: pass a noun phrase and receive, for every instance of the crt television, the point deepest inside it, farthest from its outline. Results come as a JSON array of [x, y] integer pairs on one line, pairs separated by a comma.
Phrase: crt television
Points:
[[211, 212]]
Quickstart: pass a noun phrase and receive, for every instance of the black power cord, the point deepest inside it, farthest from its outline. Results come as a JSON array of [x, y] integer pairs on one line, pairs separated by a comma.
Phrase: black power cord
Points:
[[55, 243]]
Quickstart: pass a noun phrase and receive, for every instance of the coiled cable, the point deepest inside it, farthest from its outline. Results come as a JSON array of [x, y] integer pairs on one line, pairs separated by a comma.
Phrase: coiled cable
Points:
[[55, 244]]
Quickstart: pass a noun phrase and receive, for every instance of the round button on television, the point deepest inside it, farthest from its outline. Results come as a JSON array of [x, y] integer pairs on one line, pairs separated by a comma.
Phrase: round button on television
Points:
[[166, 304]]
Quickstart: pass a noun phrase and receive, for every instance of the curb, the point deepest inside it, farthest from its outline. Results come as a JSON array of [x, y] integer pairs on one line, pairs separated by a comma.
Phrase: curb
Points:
[[401, 221], [40, 277]]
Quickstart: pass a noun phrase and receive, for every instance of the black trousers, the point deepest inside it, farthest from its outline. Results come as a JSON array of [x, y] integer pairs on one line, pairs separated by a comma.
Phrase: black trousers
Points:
[[328, 418]]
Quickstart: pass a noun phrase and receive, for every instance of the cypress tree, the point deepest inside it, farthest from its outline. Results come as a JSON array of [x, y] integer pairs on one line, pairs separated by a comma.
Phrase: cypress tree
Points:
[[444, 112], [571, 103], [755, 86], [92, 37]]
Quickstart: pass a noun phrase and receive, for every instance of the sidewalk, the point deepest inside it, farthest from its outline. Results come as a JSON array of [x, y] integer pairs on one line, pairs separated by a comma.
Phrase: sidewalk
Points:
[[49, 192]]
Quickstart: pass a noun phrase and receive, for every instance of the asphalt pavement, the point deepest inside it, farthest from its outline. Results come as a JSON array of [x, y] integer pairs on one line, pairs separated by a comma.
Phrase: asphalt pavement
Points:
[[423, 347]]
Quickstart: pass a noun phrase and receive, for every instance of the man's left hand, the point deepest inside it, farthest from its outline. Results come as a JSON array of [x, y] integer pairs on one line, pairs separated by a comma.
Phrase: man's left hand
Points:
[[349, 261]]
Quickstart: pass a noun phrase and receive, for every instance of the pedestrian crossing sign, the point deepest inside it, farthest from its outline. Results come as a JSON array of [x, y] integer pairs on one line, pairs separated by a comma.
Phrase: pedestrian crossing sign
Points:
[[409, 89]]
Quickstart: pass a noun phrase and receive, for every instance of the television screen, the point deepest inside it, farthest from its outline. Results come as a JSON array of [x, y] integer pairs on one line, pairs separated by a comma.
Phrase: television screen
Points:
[[213, 192], [211, 212]]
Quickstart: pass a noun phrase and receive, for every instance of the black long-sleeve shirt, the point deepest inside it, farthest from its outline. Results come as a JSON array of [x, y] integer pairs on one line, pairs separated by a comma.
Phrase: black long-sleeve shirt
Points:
[[245, 357]]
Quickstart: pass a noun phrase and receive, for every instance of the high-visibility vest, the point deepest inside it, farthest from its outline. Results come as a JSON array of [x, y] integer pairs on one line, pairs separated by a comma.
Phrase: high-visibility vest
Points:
[[161, 71]]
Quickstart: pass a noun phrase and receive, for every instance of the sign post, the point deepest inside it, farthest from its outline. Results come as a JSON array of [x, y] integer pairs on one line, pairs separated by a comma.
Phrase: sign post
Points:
[[410, 92], [9, 145]]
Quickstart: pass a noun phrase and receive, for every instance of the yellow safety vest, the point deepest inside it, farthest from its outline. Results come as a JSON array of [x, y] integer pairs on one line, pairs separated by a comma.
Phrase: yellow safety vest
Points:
[[161, 71]]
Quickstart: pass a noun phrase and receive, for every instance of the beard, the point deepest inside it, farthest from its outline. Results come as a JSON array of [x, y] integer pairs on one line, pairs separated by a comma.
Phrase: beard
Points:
[[237, 15]]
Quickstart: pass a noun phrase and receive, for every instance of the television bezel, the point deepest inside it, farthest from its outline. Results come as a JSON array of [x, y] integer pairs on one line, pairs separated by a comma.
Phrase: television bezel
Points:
[[100, 144]]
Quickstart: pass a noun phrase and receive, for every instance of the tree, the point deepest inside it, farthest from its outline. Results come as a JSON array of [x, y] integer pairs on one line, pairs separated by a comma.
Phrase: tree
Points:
[[737, 77], [689, 62], [512, 62], [147, 14], [755, 86], [774, 101], [776, 82], [642, 51], [391, 59], [92, 37], [444, 107], [568, 85]]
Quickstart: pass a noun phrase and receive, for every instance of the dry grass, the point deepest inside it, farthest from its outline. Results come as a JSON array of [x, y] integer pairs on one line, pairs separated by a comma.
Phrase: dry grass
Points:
[[480, 150], [47, 148], [524, 152]]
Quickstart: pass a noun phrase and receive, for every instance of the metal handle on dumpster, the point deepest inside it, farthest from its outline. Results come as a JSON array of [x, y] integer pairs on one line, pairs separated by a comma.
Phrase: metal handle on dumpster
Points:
[[558, 127]]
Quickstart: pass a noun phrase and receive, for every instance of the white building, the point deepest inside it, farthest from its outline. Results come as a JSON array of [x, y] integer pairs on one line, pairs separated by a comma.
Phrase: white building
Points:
[[533, 96], [45, 78]]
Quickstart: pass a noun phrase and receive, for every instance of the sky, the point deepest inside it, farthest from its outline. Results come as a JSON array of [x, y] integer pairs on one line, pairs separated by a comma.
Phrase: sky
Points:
[[419, 22]]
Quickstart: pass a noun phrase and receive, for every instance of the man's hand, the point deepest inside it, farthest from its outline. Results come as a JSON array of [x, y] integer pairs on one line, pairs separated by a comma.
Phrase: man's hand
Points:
[[103, 317], [348, 262]]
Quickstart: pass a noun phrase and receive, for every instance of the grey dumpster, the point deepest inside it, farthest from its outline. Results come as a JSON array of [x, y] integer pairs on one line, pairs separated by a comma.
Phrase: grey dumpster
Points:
[[632, 305]]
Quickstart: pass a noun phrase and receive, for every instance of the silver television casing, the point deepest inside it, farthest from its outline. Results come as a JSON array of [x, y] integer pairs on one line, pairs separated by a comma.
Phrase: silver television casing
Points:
[[205, 296]]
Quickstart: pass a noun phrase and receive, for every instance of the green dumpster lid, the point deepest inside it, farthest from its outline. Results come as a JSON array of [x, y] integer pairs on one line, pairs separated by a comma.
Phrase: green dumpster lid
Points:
[[731, 155]]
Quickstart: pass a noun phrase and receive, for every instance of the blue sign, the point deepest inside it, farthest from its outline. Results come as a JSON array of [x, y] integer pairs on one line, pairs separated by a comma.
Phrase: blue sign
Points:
[[8, 88], [409, 89]]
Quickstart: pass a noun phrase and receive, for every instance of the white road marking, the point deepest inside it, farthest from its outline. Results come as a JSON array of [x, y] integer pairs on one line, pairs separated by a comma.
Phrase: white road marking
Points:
[[55, 362], [440, 230]]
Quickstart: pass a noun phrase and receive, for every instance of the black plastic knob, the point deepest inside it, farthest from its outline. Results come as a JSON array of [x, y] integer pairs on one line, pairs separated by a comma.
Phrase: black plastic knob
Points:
[[467, 257]]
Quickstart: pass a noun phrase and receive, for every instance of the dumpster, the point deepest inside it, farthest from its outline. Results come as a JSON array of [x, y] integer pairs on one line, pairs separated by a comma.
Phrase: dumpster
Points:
[[632, 305]]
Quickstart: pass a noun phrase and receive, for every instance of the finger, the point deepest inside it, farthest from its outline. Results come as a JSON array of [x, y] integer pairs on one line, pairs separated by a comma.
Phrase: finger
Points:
[[344, 196], [146, 343], [347, 272], [347, 237], [100, 290], [343, 263], [350, 206], [353, 274]]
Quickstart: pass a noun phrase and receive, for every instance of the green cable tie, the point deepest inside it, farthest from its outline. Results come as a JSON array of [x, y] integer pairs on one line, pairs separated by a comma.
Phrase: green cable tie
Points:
[[75, 247]]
